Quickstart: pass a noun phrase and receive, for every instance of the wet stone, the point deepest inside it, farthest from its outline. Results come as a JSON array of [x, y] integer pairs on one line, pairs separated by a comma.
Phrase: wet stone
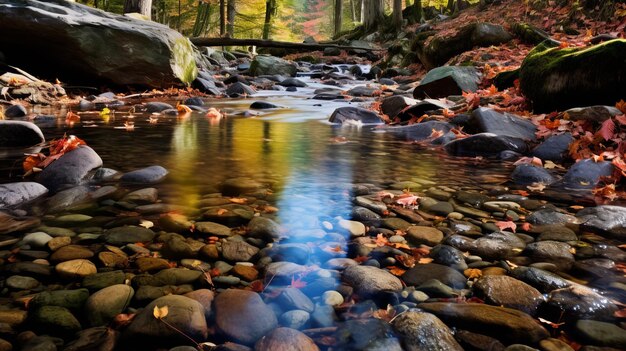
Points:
[[504, 324], [474, 341], [579, 302], [422, 273], [19, 282], [501, 290], [17, 194], [102, 306], [128, 235], [151, 264], [556, 233], [102, 280], [243, 316], [78, 268], [285, 339], [55, 320], [295, 319], [418, 235], [70, 252], [148, 175], [601, 333], [37, 239], [368, 281], [211, 228], [424, 331], [238, 250], [554, 252]]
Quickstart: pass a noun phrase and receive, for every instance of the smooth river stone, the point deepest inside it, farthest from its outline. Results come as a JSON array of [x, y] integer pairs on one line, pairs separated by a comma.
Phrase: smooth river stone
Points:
[[78, 268]]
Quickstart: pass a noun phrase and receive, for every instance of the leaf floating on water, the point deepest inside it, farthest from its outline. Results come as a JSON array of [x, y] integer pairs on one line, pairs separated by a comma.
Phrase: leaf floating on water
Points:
[[105, 112], [183, 109], [160, 312], [539, 187], [214, 113]]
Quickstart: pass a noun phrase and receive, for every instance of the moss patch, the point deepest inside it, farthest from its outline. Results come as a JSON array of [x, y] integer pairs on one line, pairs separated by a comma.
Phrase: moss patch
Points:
[[183, 62]]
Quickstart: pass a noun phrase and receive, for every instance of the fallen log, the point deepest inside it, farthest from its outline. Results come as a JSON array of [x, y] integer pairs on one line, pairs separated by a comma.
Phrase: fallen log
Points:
[[274, 44]]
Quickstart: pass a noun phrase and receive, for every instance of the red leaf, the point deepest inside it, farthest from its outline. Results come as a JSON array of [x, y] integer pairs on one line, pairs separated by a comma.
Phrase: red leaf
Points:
[[297, 283], [607, 131], [506, 225]]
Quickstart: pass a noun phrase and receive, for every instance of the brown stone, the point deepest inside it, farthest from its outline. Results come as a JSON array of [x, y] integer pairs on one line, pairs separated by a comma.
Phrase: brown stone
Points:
[[13, 317], [210, 251], [78, 268], [285, 339], [110, 259], [71, 252], [494, 271], [151, 264], [502, 290], [58, 242], [418, 235], [247, 273]]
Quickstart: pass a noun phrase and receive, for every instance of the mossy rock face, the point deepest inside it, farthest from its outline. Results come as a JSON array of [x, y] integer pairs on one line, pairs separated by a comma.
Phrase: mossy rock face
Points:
[[84, 45], [558, 79], [441, 49]]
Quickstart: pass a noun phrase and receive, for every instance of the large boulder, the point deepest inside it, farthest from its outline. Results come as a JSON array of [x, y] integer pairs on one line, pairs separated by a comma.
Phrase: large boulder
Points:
[[440, 49], [558, 79], [86, 45], [485, 144], [270, 65], [447, 80], [19, 133], [73, 168]]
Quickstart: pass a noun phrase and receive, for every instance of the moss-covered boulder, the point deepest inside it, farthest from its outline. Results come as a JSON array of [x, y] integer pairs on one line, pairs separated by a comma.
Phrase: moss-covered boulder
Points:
[[76, 43], [440, 49], [558, 79]]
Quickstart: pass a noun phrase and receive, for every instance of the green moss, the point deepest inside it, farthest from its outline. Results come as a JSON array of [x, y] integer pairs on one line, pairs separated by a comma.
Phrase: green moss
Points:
[[183, 62], [556, 78]]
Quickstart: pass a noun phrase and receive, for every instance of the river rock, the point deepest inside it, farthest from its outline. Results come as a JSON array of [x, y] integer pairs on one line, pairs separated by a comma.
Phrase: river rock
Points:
[[37, 239], [474, 341], [606, 218], [444, 81], [579, 302], [19, 282], [206, 86], [264, 228], [10, 224], [78, 268], [555, 252], [597, 113], [238, 251], [419, 131], [184, 314], [270, 65], [157, 106], [424, 331], [55, 320], [502, 290], [98, 338], [18, 194], [354, 114], [555, 148], [70, 252], [543, 280], [19, 133], [576, 76], [505, 324], [239, 185], [16, 110], [243, 316], [282, 339], [550, 216], [211, 228], [392, 105], [262, 105], [485, 144], [448, 256], [102, 306], [239, 88], [526, 174], [441, 48], [128, 235], [73, 168], [422, 273], [487, 120], [100, 281], [148, 175], [167, 57], [601, 333], [497, 245], [556, 233], [292, 82], [368, 281], [585, 174]]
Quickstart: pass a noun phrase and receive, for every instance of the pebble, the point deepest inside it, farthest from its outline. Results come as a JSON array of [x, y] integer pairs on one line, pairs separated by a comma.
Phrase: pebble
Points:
[[78, 268], [19, 282], [332, 298]]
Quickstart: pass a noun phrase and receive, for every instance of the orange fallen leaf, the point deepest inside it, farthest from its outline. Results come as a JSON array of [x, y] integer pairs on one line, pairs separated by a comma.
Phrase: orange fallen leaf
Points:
[[396, 271], [381, 240], [472, 273], [221, 211], [238, 200], [160, 312]]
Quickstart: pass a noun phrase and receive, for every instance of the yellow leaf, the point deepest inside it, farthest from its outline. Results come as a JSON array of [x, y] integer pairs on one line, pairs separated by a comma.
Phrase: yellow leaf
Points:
[[146, 224], [105, 111], [160, 312]]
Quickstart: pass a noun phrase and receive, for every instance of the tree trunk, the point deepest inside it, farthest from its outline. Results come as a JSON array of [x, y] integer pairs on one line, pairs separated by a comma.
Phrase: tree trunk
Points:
[[361, 11], [373, 14], [353, 10], [397, 15], [222, 17], [338, 15], [230, 18], [202, 19], [143, 7], [417, 13], [270, 11]]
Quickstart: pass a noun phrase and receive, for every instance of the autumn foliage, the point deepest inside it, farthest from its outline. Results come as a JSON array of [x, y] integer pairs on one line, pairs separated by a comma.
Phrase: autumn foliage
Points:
[[57, 148]]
